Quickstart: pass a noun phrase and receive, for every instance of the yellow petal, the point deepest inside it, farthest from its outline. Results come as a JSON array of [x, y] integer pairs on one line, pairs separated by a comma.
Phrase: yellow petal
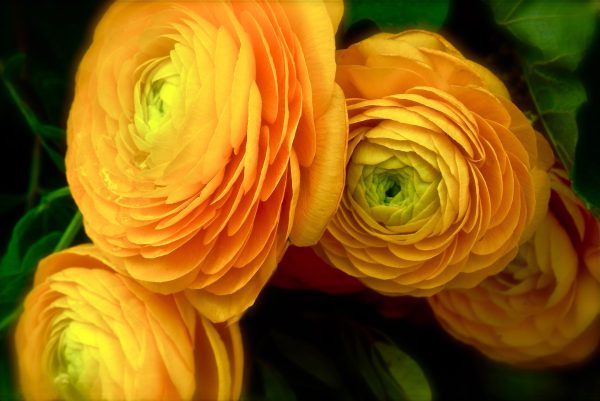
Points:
[[322, 183]]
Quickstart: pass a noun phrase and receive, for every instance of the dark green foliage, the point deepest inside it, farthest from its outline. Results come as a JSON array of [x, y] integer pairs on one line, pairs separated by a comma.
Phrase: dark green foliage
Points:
[[304, 345], [393, 16], [37, 234], [553, 37]]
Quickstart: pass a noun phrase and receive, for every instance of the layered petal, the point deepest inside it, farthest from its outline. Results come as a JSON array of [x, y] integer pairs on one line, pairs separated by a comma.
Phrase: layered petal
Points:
[[87, 332], [197, 136], [445, 177], [543, 309]]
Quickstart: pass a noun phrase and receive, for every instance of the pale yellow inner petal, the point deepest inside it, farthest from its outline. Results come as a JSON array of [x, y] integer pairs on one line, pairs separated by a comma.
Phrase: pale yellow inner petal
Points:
[[76, 365]]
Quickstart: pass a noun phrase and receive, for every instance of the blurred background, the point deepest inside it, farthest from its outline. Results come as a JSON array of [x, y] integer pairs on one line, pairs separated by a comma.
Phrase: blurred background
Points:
[[301, 344]]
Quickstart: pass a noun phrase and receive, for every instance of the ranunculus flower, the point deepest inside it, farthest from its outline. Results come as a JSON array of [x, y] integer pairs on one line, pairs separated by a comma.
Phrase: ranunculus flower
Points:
[[443, 174], [203, 137], [89, 333], [303, 269], [544, 307]]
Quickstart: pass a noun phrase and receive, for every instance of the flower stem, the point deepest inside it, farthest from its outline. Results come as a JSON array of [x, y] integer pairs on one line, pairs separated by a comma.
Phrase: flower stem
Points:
[[8, 319], [70, 233], [34, 174]]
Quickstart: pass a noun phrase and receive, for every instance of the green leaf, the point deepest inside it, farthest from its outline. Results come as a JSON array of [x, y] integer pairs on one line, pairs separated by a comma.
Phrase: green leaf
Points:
[[586, 180], [35, 225], [51, 132], [8, 319], [39, 249], [556, 32], [308, 358], [393, 16], [13, 66], [275, 386], [358, 352], [70, 232], [11, 260], [557, 97], [390, 374], [554, 36], [406, 373], [49, 226]]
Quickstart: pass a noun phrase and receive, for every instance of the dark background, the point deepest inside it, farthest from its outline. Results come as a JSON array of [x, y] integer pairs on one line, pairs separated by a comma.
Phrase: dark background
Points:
[[52, 34]]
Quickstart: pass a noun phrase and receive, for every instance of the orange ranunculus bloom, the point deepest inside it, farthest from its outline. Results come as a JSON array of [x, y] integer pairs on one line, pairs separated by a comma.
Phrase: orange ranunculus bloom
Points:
[[90, 333], [443, 174], [544, 308], [205, 136]]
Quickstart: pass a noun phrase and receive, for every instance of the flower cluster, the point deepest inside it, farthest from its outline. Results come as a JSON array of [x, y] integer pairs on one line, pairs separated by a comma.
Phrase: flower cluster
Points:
[[207, 138], [203, 139]]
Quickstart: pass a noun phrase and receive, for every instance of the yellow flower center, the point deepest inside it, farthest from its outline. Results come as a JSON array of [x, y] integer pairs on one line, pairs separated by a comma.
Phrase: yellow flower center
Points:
[[157, 95], [522, 276], [159, 90], [522, 267], [160, 93], [76, 365], [393, 187], [390, 187]]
